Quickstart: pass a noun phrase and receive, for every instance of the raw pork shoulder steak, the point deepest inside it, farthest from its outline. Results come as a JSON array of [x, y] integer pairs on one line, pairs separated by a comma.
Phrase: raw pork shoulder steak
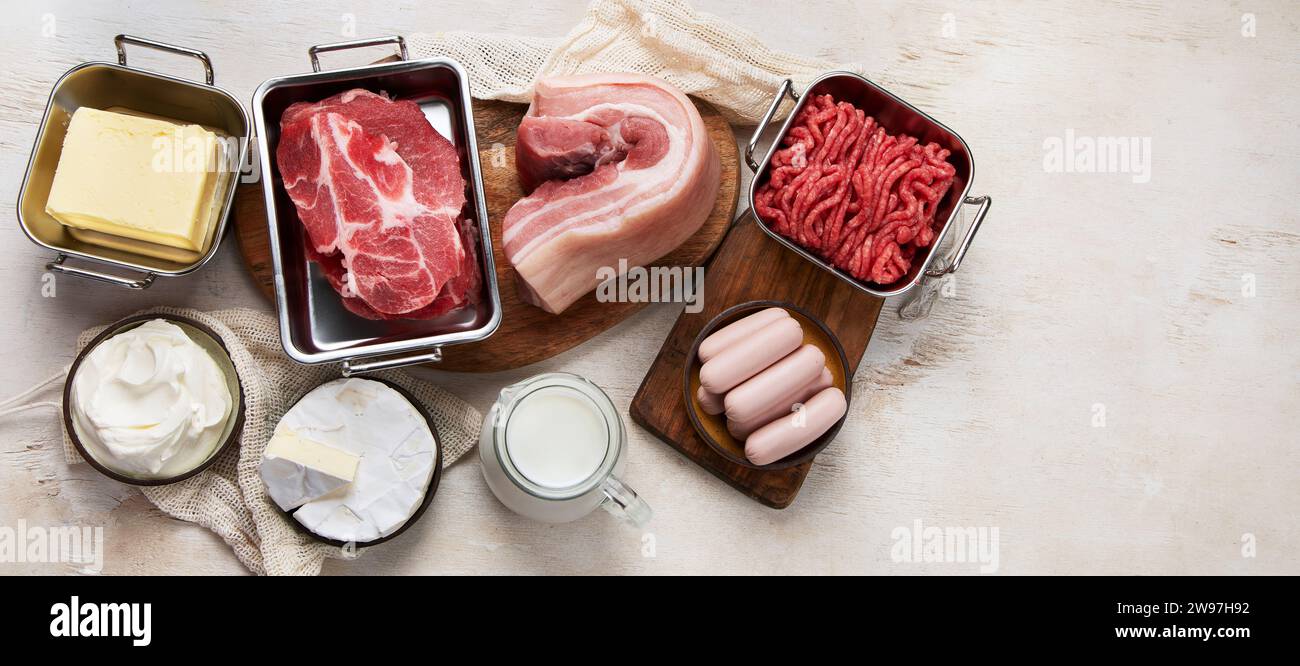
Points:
[[379, 192], [622, 169], [459, 291]]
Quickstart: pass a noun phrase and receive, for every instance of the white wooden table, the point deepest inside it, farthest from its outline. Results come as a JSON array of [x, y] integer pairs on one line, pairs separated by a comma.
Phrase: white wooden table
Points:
[[1113, 383]]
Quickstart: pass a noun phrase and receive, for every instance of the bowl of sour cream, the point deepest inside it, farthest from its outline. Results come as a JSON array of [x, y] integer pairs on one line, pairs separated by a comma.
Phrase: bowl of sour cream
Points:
[[153, 399]]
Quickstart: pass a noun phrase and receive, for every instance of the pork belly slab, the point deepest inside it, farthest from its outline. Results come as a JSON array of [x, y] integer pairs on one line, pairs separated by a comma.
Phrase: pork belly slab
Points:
[[618, 166]]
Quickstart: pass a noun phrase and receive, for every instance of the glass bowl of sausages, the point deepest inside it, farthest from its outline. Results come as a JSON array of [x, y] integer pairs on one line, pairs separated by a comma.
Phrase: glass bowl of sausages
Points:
[[765, 385]]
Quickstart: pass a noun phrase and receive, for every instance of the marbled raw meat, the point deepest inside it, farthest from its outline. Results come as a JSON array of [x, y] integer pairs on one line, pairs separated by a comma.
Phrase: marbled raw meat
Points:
[[380, 193]]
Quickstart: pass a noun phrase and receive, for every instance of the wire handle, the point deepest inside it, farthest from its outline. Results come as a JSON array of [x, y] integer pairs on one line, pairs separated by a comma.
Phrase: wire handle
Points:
[[121, 41], [58, 266], [314, 51], [787, 88], [351, 367]]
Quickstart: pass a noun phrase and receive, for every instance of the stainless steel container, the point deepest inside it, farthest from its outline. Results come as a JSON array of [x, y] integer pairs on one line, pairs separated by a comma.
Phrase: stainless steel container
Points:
[[315, 327], [104, 85], [896, 116]]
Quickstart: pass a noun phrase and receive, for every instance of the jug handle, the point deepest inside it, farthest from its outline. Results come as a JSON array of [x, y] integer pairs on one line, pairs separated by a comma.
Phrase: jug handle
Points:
[[623, 502]]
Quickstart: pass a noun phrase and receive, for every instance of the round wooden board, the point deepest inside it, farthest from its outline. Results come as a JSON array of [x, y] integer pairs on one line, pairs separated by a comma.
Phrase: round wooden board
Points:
[[527, 334]]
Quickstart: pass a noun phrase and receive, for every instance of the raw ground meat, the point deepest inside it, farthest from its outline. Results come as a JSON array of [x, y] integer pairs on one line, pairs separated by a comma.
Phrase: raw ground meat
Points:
[[861, 198]]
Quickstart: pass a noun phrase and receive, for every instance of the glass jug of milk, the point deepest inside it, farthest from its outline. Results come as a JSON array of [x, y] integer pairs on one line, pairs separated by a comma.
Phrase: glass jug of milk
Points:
[[552, 449]]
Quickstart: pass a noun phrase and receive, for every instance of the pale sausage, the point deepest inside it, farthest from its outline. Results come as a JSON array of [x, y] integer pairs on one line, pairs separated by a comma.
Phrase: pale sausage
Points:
[[737, 331], [779, 383], [741, 429], [788, 434], [711, 402], [747, 357]]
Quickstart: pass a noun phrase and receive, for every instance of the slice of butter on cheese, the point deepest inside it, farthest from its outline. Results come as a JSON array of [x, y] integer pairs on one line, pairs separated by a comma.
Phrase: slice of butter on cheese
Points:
[[140, 178], [297, 470]]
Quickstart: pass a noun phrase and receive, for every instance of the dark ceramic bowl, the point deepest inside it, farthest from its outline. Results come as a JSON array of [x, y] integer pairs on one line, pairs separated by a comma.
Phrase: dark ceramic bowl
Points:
[[428, 492], [713, 428], [206, 338]]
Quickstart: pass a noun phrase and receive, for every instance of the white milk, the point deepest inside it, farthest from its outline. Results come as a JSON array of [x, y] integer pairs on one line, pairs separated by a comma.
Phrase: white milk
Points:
[[556, 438], [551, 449]]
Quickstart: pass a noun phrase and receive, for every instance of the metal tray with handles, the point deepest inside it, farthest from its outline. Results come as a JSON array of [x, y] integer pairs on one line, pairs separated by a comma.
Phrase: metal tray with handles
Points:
[[117, 86], [315, 327], [895, 115]]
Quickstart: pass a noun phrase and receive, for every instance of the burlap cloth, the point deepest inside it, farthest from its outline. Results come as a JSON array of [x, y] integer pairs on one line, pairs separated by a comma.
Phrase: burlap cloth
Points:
[[699, 53], [229, 497]]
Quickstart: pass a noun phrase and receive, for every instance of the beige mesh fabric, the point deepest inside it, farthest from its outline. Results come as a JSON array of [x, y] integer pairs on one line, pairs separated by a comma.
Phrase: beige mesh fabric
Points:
[[228, 497], [697, 52]]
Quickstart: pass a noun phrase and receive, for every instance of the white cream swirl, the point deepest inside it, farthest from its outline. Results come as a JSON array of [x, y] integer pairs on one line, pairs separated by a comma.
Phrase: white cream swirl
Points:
[[150, 402]]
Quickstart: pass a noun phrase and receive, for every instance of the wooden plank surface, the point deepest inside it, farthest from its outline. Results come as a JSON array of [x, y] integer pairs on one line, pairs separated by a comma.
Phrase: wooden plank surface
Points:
[[527, 333]]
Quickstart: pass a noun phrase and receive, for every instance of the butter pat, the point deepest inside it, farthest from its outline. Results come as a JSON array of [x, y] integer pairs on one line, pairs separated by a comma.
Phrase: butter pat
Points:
[[297, 470], [139, 178]]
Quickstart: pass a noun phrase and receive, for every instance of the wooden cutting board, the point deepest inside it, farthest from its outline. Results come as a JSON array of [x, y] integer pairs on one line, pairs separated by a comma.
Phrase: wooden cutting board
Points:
[[750, 266], [527, 334]]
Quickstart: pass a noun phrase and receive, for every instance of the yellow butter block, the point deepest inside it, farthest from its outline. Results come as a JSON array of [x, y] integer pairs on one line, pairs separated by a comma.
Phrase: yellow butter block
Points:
[[135, 177]]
